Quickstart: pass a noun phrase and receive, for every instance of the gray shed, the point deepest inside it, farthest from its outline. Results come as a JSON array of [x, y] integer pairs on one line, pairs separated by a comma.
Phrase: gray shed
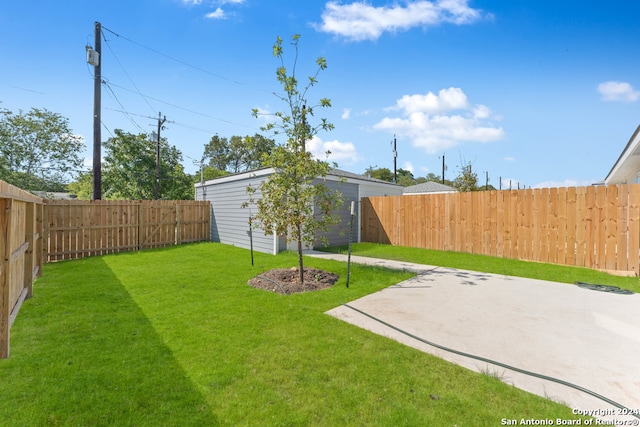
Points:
[[230, 221]]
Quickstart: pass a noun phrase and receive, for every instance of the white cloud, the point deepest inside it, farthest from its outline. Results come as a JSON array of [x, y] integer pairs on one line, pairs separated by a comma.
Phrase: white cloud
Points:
[[481, 112], [446, 100], [87, 162], [218, 2], [565, 183], [509, 159], [408, 166], [219, 12], [362, 21], [346, 113], [216, 14], [264, 115], [424, 122], [618, 91], [341, 152]]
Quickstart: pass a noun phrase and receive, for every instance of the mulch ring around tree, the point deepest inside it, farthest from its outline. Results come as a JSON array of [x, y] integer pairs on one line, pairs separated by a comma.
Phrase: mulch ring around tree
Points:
[[286, 280]]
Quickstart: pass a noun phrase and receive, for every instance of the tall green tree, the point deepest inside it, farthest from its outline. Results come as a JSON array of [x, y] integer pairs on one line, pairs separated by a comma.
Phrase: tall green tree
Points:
[[82, 187], [217, 151], [291, 195], [254, 150], [432, 177], [383, 174], [38, 150], [405, 177], [207, 173], [237, 154], [129, 169]]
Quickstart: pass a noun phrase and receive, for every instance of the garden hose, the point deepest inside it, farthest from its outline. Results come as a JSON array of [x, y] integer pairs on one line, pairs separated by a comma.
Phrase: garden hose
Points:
[[274, 282], [604, 288], [503, 365]]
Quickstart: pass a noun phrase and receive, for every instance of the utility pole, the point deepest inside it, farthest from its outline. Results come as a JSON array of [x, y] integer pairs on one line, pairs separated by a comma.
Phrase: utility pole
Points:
[[395, 159], [486, 182], [95, 59], [161, 121], [370, 170], [443, 169]]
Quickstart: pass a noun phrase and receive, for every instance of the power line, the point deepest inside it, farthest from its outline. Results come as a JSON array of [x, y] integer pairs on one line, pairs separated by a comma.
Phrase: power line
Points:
[[146, 98], [173, 122], [181, 108], [107, 129], [127, 74], [121, 106], [194, 67], [202, 70], [161, 101], [133, 114]]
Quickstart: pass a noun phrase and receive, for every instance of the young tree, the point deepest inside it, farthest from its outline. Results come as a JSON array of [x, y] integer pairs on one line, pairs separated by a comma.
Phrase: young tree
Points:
[[129, 169], [287, 206], [467, 180], [38, 150]]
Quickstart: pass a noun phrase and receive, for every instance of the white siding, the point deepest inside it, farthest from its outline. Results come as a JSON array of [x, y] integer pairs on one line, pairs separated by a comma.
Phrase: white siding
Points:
[[229, 220]]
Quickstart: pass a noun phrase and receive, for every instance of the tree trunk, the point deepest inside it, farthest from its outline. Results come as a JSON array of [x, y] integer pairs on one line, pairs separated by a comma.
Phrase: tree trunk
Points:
[[300, 262]]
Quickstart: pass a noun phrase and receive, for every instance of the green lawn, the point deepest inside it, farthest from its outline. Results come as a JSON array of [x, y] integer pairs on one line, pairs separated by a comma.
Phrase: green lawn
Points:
[[175, 337], [487, 264]]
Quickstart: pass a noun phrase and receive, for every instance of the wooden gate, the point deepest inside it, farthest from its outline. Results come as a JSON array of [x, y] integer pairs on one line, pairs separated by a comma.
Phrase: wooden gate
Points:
[[77, 229]]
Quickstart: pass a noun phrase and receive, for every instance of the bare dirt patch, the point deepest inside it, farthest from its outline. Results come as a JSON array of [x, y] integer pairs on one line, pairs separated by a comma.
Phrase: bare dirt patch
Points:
[[286, 281]]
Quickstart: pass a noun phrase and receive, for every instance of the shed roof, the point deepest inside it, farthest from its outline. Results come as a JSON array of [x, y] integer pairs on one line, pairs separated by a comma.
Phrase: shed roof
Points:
[[357, 176], [338, 173]]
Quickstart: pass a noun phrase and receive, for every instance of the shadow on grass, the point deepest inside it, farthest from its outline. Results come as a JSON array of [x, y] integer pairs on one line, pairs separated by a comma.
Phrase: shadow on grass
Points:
[[107, 365], [176, 337]]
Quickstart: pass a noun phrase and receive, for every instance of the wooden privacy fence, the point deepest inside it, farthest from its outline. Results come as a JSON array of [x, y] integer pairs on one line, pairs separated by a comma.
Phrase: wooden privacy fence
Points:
[[21, 216], [77, 229], [596, 227]]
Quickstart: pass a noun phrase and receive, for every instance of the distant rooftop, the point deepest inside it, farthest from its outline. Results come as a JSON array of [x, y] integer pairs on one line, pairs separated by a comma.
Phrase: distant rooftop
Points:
[[429, 187], [55, 195]]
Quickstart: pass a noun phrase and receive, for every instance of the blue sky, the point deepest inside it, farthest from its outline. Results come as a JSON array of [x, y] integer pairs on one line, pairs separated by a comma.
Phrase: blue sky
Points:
[[534, 92]]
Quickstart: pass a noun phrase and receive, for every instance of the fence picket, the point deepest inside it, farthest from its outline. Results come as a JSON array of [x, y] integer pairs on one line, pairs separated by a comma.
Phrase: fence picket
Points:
[[594, 227], [611, 228], [83, 228], [633, 235], [552, 229]]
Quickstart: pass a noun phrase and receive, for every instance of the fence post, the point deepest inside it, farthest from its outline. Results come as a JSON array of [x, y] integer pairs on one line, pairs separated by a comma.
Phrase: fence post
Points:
[[139, 228], [30, 234], [5, 275], [178, 225]]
